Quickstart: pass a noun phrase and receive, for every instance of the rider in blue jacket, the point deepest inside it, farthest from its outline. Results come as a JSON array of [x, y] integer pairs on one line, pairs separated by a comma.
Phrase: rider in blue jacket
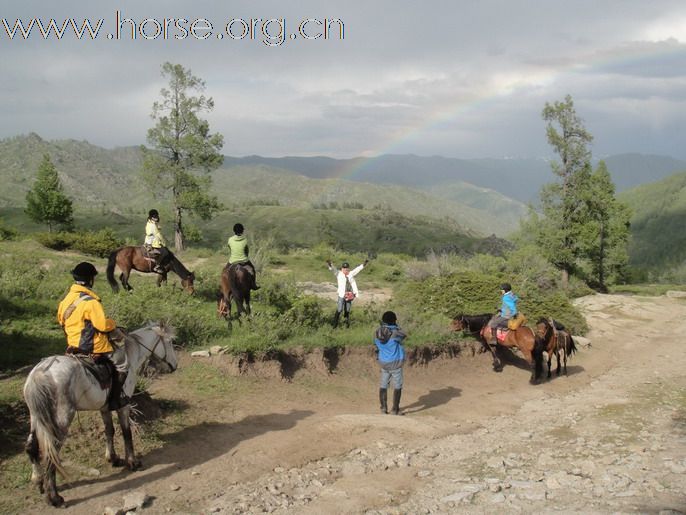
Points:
[[508, 309]]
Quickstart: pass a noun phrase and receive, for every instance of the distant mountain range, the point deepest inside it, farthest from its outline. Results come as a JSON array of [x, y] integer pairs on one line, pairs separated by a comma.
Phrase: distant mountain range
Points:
[[470, 197], [518, 178]]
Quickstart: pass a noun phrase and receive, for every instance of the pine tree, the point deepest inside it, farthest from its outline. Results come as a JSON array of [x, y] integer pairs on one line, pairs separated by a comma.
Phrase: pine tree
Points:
[[562, 201], [183, 150], [45, 202], [606, 232]]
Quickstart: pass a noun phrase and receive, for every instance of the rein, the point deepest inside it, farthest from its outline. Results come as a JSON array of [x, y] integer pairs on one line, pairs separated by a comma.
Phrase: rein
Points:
[[137, 339]]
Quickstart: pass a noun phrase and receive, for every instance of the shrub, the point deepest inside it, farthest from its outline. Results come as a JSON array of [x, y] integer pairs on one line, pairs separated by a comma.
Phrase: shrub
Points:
[[99, 243]]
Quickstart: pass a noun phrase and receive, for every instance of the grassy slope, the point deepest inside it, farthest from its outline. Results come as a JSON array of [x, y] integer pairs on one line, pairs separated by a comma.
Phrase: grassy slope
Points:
[[657, 225]]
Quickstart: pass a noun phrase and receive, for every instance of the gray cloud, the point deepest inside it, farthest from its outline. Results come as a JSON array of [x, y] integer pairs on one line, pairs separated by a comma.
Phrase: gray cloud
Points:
[[460, 79]]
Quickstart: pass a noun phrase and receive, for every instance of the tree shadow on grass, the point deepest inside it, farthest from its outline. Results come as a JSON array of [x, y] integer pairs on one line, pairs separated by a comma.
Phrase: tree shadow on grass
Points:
[[190, 447]]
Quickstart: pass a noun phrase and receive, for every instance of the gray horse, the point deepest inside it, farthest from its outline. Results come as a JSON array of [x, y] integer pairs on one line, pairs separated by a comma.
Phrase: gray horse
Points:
[[59, 386]]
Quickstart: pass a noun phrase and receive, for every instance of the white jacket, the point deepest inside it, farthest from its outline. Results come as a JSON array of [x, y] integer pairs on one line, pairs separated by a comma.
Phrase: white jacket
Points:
[[341, 278]]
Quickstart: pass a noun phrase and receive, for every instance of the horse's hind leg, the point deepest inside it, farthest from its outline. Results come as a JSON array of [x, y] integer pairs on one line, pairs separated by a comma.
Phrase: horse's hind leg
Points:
[[125, 423], [110, 453], [51, 495], [124, 278], [33, 451]]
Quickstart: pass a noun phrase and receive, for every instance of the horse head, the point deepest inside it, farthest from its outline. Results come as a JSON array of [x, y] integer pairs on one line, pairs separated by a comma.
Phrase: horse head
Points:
[[458, 323], [187, 283], [164, 351]]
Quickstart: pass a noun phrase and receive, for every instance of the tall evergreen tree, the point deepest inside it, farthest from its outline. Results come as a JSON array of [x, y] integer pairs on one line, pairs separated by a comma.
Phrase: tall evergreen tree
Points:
[[562, 201], [184, 152], [45, 202], [606, 232]]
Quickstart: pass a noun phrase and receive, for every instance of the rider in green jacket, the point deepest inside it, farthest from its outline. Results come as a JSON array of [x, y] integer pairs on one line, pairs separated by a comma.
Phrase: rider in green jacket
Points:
[[238, 248]]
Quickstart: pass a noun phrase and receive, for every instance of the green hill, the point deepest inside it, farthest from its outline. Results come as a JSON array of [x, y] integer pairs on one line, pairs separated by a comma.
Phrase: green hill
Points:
[[657, 226], [109, 181]]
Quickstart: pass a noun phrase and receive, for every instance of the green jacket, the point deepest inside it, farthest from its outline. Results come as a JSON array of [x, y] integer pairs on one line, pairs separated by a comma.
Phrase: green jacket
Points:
[[238, 247]]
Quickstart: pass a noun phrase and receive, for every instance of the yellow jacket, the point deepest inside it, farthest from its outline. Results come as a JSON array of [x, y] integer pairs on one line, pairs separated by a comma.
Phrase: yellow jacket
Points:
[[153, 235], [86, 325]]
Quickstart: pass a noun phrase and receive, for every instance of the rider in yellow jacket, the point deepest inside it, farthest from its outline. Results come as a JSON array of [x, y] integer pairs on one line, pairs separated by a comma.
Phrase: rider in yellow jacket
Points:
[[155, 242], [83, 319], [82, 316]]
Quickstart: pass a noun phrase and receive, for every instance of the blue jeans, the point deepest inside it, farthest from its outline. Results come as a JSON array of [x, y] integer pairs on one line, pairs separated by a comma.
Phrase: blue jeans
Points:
[[344, 305], [396, 374]]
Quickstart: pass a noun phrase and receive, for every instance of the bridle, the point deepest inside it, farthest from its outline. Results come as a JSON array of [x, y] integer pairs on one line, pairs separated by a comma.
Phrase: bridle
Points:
[[159, 340]]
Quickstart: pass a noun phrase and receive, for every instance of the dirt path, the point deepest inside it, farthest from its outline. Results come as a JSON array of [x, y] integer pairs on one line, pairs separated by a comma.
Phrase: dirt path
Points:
[[609, 438]]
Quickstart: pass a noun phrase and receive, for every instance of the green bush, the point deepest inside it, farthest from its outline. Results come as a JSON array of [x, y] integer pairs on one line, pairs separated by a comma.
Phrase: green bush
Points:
[[7, 233], [94, 243], [99, 243]]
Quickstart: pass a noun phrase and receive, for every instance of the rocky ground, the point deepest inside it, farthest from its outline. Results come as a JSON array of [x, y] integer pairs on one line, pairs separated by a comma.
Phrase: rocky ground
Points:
[[608, 438]]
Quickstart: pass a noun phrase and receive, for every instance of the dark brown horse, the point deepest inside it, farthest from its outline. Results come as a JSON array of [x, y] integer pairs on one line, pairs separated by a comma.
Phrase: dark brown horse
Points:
[[522, 338], [236, 282], [556, 341], [128, 258]]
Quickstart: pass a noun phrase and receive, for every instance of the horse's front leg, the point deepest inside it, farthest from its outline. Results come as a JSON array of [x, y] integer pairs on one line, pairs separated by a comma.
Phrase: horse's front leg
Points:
[[110, 453], [161, 278], [550, 361], [125, 423], [497, 365], [559, 365]]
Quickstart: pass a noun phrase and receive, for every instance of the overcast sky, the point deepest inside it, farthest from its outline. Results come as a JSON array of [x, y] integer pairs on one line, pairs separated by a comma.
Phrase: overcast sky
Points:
[[452, 78]]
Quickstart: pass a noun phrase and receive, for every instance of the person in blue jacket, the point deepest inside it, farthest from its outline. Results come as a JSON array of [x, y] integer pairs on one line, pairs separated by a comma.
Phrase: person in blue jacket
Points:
[[508, 310], [388, 340]]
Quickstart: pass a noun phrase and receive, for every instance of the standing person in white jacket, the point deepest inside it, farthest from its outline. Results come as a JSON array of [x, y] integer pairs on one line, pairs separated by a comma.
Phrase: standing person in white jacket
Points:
[[347, 289]]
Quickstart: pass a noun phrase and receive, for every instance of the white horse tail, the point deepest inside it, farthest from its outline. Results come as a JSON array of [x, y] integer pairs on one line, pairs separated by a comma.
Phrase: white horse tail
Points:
[[40, 397]]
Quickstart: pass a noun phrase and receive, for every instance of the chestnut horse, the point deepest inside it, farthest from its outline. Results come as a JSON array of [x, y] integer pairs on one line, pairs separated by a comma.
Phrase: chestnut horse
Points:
[[236, 282], [556, 340], [522, 338], [127, 258]]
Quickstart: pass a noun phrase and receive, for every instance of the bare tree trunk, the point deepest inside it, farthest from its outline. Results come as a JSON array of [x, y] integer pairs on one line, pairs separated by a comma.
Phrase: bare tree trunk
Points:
[[178, 231]]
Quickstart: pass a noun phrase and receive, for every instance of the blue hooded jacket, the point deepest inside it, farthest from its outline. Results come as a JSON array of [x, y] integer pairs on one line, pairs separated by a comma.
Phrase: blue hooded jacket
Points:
[[388, 339], [508, 309]]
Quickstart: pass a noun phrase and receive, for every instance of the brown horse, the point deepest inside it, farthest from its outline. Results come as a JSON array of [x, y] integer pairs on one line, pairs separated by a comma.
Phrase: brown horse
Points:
[[236, 282], [522, 338], [556, 341], [128, 258]]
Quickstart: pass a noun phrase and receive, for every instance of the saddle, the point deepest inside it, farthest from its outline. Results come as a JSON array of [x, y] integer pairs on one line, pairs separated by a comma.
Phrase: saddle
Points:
[[101, 368], [501, 334]]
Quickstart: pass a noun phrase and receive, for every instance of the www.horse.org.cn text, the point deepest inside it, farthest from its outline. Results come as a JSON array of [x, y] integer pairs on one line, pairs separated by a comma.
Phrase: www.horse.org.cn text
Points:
[[270, 31]]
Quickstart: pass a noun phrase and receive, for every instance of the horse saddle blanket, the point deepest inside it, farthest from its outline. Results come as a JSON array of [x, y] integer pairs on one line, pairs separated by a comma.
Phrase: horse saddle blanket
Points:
[[101, 369], [501, 334], [149, 252]]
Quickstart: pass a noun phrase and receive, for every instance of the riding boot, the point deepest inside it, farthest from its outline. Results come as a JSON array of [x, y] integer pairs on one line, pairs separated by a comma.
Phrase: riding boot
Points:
[[396, 401], [347, 320], [383, 399], [118, 398], [336, 317], [494, 334]]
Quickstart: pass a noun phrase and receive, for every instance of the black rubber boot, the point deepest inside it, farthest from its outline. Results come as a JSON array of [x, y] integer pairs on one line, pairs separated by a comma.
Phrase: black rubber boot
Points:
[[383, 399], [336, 317], [347, 320], [396, 401], [118, 398]]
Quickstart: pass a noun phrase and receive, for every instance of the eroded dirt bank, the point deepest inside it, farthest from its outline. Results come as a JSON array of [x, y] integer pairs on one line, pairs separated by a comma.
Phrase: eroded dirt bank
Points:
[[608, 438]]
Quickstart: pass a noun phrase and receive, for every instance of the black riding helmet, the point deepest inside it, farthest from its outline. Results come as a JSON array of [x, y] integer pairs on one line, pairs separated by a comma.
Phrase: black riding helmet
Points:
[[84, 272], [238, 229], [506, 287], [153, 215], [345, 264], [389, 318]]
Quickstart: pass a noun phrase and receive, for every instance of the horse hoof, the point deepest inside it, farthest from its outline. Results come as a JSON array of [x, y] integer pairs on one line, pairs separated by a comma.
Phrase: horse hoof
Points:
[[134, 465], [56, 500], [117, 462]]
